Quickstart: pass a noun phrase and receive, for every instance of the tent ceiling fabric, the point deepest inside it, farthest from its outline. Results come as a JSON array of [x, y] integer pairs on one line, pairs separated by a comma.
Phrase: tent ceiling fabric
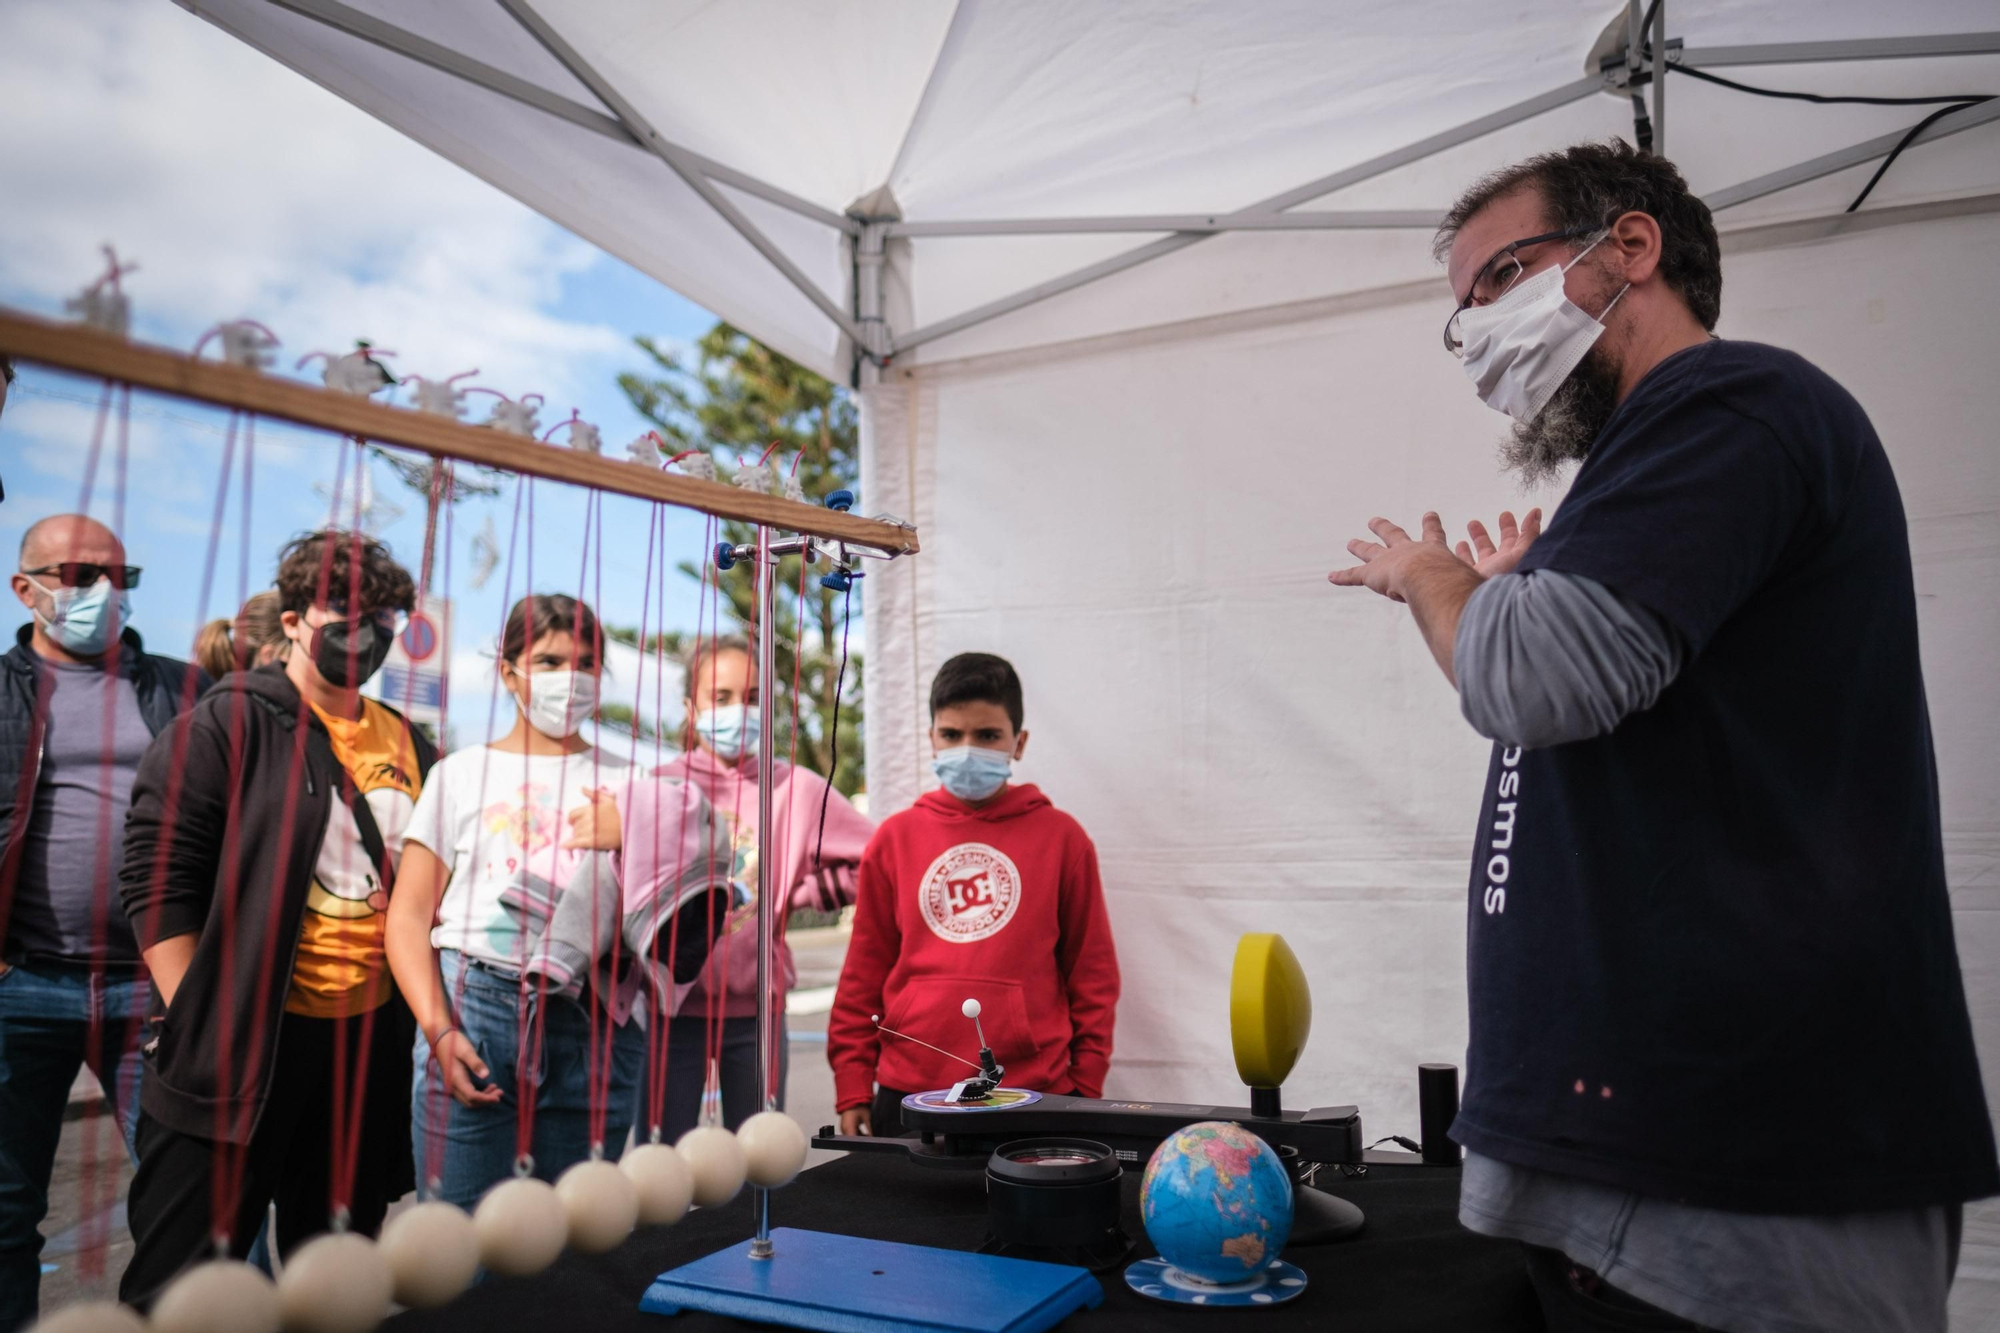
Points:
[[1054, 109]]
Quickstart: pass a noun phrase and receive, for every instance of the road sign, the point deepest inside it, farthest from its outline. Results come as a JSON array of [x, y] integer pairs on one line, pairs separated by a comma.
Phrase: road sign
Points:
[[413, 675]]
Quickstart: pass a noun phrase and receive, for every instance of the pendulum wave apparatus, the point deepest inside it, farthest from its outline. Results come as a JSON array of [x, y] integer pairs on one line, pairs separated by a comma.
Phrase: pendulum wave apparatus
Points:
[[346, 410], [767, 551]]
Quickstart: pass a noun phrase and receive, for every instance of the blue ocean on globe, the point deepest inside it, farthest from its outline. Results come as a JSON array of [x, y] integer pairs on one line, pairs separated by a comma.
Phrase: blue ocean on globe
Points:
[[1216, 1202]]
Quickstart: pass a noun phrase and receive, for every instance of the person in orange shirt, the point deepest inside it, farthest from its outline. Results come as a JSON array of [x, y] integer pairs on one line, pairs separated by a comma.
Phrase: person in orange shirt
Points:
[[260, 856]]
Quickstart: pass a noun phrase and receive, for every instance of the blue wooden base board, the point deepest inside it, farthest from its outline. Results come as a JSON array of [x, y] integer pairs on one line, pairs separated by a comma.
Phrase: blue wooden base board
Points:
[[844, 1284]]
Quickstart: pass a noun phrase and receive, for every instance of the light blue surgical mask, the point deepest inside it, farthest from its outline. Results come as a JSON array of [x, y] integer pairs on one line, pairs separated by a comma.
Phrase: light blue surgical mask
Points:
[[731, 732], [84, 620], [972, 772]]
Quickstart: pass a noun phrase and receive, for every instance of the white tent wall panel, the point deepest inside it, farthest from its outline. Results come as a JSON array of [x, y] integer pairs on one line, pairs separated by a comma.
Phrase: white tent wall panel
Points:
[[1143, 525]]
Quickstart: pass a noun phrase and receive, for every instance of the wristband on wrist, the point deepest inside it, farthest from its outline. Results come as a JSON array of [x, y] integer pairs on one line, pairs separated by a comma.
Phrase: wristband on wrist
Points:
[[439, 1039]]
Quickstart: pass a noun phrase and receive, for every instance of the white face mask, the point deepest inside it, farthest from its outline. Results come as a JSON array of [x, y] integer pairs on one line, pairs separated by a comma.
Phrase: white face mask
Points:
[[1519, 349], [558, 702]]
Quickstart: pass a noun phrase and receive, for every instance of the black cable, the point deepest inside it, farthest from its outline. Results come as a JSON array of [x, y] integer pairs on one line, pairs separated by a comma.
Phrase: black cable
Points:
[[1945, 104], [833, 728]]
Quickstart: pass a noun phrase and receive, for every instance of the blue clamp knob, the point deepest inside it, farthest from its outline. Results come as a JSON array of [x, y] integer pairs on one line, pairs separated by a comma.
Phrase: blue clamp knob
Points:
[[725, 556], [840, 580], [840, 500]]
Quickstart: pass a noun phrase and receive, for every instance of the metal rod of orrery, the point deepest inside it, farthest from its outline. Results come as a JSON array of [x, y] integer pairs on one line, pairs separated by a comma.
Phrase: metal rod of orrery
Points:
[[86, 351], [767, 643]]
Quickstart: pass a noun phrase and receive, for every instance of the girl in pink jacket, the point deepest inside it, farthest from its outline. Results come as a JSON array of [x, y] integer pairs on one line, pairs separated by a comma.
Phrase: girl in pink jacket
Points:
[[720, 757]]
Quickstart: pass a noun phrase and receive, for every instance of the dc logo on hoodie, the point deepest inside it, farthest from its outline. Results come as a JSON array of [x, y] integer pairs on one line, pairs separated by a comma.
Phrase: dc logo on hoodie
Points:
[[969, 893]]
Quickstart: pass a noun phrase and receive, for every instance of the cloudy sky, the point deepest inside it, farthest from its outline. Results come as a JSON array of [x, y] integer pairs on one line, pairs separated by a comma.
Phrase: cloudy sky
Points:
[[240, 189]]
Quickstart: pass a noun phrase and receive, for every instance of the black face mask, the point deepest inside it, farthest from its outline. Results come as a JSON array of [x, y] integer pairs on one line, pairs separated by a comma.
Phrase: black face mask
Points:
[[339, 645]]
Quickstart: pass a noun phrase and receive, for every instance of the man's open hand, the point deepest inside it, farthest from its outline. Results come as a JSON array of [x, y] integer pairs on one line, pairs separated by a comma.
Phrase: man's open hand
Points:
[[1490, 560], [1388, 565]]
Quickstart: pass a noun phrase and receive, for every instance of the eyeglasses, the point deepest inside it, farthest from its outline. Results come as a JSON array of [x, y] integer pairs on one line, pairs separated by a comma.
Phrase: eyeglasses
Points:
[[79, 574], [1501, 272]]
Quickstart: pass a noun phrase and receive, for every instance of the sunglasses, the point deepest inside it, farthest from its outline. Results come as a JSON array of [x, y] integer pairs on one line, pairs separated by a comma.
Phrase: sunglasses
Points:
[[79, 574]]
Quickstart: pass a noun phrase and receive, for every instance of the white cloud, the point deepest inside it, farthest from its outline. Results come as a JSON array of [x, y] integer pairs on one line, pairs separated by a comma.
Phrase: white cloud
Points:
[[242, 189]]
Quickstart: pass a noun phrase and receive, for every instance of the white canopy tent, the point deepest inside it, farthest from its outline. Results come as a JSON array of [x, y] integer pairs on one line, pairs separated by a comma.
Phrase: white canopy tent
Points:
[[1140, 304]]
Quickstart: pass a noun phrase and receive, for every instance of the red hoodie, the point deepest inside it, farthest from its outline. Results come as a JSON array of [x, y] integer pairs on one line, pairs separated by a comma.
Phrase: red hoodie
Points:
[[1001, 904]]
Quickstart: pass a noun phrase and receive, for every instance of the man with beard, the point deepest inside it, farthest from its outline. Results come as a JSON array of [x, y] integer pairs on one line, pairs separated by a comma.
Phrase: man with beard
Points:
[[1721, 1071]]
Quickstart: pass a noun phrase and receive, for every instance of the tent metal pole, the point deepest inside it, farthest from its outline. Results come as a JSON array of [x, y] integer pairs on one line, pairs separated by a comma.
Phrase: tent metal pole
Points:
[[1339, 180], [1757, 187], [1380, 220], [1863, 48], [355, 23], [677, 158], [1660, 77]]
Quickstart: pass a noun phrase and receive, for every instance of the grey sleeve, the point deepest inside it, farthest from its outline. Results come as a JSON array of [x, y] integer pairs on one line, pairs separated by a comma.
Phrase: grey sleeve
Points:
[[1545, 657]]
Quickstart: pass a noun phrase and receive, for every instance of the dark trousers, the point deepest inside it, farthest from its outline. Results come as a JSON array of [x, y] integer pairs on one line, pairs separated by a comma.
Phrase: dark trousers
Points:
[[289, 1161], [1576, 1300], [687, 1077], [885, 1118], [56, 1018]]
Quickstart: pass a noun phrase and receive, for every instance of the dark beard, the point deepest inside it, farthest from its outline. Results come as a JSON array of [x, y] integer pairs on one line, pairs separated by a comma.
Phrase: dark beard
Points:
[[1576, 415]]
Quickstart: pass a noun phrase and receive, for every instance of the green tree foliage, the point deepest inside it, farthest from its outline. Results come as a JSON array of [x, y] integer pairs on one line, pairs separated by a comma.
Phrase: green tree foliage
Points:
[[733, 398]]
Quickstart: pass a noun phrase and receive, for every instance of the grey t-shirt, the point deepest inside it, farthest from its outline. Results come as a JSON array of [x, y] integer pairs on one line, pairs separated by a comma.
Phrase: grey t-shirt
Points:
[[66, 900]]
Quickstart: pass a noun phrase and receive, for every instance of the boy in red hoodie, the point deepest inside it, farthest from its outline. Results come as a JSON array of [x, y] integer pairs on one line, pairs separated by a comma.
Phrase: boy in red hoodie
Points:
[[984, 891]]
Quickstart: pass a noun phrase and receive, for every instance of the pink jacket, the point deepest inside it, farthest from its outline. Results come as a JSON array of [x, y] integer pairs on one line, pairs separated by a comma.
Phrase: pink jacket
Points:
[[802, 879]]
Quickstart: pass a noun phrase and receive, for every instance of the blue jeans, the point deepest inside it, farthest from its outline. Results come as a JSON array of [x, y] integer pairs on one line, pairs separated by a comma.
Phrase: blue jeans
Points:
[[46, 1011], [494, 1010]]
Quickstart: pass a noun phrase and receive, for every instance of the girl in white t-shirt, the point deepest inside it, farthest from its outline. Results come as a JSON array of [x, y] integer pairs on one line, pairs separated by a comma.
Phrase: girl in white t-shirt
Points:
[[490, 835]]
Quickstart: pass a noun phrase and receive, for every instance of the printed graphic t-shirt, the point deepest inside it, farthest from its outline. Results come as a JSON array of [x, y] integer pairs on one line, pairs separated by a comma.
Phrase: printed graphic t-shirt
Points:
[[1710, 953], [342, 967], [497, 821]]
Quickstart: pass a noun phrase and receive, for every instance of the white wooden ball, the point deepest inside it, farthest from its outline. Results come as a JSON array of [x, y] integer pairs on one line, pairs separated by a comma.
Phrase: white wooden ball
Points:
[[335, 1284], [221, 1296], [522, 1227], [601, 1203], [970, 1008], [91, 1317], [715, 1160], [774, 1148], [433, 1253], [663, 1181]]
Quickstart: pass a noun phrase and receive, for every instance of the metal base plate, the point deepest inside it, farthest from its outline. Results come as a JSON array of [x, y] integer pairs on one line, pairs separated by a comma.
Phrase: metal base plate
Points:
[[845, 1284]]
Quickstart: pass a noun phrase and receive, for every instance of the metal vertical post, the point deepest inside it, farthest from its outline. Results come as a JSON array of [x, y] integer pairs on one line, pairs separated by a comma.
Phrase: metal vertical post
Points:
[[767, 641], [1660, 77]]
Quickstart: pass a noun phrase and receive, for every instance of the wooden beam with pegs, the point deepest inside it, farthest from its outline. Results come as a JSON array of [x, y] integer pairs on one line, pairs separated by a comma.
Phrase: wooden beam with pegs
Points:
[[87, 351]]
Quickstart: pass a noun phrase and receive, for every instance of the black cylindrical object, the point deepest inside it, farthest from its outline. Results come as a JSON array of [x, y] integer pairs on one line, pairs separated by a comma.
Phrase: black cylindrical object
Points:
[[1052, 1192], [1437, 1107]]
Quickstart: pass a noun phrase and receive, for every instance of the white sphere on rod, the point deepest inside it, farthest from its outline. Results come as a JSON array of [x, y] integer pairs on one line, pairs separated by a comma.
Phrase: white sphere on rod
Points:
[[601, 1203], [521, 1226], [774, 1148], [335, 1284], [91, 1317], [221, 1296], [970, 1008], [664, 1183], [715, 1159], [433, 1253]]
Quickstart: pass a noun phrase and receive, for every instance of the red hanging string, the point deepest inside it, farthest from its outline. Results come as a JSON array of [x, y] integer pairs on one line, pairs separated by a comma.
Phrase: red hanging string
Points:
[[527, 1017], [95, 1227], [437, 1101]]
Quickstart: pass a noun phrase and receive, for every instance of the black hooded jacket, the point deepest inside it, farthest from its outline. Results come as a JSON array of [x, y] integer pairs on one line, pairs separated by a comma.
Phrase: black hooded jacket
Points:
[[207, 829]]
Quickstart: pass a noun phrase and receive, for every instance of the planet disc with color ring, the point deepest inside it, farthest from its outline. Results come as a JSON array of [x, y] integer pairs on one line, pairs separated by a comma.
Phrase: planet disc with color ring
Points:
[[998, 1099], [1157, 1278]]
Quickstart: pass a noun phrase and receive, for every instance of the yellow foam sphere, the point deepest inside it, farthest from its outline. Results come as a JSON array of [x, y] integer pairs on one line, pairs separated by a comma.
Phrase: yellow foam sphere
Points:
[[221, 1296], [433, 1253], [601, 1203], [774, 1148], [521, 1226], [334, 1284], [91, 1317], [663, 1181], [715, 1160]]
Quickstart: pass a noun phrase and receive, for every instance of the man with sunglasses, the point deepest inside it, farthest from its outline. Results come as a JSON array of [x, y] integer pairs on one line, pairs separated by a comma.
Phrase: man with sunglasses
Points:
[[259, 858], [1720, 1071], [80, 699]]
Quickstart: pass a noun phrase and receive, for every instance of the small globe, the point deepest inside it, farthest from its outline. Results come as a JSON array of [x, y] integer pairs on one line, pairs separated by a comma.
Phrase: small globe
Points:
[[1216, 1202]]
